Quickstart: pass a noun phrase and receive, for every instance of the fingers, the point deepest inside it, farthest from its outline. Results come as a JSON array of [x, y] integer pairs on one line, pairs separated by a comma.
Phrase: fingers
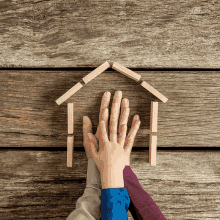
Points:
[[116, 103], [87, 124], [93, 139], [87, 128], [104, 104], [103, 135], [105, 118], [132, 133], [125, 110], [103, 115]]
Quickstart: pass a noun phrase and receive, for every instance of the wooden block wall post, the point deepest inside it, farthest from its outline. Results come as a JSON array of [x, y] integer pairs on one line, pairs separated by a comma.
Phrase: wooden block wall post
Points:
[[70, 150], [153, 116], [153, 149], [70, 139], [153, 137], [70, 118]]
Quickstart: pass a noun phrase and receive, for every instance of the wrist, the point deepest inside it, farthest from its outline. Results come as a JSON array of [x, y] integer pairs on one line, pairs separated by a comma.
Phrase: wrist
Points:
[[112, 180]]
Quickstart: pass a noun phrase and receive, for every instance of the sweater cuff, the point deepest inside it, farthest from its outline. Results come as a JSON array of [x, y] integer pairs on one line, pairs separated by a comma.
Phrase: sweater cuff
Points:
[[93, 179], [114, 203]]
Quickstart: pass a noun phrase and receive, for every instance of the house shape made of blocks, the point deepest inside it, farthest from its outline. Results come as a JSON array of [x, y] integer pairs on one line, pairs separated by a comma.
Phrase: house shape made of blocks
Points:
[[129, 73]]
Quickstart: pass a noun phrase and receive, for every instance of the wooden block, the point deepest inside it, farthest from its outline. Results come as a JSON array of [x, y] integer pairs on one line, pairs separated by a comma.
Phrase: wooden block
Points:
[[69, 93], [70, 121], [153, 116], [152, 149], [127, 72], [96, 72], [154, 92], [70, 148]]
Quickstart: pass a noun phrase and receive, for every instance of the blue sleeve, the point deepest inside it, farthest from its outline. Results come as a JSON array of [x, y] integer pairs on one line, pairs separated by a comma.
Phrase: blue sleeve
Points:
[[114, 204]]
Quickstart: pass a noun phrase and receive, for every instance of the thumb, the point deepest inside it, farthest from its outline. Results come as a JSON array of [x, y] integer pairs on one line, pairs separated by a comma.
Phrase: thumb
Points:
[[93, 150]]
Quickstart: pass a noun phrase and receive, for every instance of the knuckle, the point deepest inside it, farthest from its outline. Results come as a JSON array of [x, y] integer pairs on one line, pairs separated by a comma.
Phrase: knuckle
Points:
[[113, 124], [123, 127], [126, 100], [113, 131], [124, 116], [122, 136], [130, 138]]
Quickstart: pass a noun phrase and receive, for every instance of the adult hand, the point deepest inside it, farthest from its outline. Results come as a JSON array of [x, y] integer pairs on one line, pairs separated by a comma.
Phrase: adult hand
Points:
[[87, 125], [113, 156]]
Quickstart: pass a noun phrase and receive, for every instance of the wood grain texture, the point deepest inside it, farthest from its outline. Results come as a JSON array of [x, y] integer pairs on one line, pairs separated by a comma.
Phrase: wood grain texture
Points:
[[30, 117], [136, 34], [38, 185]]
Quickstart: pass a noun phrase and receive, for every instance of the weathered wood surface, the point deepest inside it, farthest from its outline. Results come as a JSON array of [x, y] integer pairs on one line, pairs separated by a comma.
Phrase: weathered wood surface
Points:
[[30, 117], [38, 185], [137, 34]]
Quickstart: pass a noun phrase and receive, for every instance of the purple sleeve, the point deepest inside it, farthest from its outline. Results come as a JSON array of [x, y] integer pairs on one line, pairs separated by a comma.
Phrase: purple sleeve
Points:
[[141, 202]]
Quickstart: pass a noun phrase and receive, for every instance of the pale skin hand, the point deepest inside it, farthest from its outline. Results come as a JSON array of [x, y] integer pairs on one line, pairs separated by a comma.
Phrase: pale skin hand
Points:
[[122, 140], [110, 160], [112, 156]]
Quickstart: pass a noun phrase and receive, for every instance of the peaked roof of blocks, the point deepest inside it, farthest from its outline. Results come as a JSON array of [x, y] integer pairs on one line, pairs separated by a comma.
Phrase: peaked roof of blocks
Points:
[[116, 66]]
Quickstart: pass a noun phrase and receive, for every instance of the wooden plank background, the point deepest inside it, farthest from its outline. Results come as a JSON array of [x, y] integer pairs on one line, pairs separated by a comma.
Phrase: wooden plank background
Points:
[[38, 185], [137, 34], [76, 37], [30, 116]]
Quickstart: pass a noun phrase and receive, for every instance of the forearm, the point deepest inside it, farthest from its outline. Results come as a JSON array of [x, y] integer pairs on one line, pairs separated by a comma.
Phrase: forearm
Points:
[[88, 206], [142, 201], [93, 178]]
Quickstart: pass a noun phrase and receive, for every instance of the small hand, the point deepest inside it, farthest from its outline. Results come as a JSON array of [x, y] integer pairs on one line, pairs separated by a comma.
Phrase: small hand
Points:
[[87, 124]]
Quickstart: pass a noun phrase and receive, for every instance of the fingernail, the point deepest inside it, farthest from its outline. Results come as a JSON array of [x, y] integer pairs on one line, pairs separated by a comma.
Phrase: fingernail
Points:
[[89, 135], [119, 92], [138, 118], [107, 94]]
